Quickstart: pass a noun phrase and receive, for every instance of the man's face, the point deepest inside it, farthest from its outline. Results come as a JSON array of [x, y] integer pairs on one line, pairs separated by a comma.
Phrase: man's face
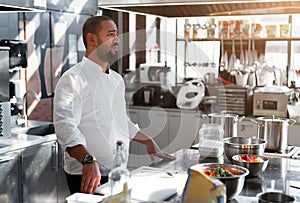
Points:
[[108, 40]]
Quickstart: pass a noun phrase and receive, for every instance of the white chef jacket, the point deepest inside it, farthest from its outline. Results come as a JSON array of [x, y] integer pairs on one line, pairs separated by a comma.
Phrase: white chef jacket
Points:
[[90, 110]]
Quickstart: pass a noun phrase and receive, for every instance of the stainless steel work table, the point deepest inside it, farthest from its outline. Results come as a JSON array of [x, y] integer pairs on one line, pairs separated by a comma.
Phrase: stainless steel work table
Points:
[[282, 174]]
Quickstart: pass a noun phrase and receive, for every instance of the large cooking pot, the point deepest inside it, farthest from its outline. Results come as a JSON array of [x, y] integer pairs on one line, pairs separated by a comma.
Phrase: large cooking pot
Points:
[[228, 121], [274, 131]]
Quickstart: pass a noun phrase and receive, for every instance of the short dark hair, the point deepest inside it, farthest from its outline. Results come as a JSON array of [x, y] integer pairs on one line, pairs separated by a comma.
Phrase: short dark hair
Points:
[[93, 25]]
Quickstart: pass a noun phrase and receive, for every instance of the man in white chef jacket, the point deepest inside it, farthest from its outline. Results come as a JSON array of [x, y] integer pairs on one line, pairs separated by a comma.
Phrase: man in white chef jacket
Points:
[[90, 111]]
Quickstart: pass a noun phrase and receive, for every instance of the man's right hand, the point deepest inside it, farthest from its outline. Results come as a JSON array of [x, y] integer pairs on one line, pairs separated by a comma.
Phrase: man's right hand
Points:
[[90, 177]]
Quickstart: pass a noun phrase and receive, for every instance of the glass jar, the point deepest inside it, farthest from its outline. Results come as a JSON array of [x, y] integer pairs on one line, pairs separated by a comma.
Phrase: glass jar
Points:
[[211, 140], [187, 28]]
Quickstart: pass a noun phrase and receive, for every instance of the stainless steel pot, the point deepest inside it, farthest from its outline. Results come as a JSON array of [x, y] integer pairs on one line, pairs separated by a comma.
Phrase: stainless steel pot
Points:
[[274, 131], [270, 197], [228, 121]]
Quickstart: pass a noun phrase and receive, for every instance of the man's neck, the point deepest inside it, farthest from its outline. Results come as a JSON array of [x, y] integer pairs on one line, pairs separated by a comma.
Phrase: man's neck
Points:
[[103, 64]]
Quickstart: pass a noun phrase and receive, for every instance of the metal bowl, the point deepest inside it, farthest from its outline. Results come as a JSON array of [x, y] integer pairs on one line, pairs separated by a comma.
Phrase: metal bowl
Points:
[[234, 184], [275, 197], [243, 145], [254, 167]]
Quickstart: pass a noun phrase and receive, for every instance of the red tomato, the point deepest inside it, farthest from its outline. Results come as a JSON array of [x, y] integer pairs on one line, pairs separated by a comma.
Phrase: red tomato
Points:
[[246, 157]]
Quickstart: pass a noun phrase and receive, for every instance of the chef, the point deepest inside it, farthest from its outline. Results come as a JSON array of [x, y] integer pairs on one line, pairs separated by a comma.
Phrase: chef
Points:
[[90, 111]]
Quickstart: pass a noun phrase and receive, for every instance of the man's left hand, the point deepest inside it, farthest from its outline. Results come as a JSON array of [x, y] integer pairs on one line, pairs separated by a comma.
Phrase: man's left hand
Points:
[[154, 151]]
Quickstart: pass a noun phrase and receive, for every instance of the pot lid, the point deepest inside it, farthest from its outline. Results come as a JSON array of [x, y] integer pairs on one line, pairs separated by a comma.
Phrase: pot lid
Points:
[[273, 119], [227, 115]]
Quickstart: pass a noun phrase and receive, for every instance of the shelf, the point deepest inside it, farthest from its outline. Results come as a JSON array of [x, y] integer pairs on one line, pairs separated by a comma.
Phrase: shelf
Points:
[[237, 39]]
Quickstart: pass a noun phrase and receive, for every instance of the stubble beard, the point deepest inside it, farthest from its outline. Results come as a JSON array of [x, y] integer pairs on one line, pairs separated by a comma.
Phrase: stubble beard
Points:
[[105, 54]]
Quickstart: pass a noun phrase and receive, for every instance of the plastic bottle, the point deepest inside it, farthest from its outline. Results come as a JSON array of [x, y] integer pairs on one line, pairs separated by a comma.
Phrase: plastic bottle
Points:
[[119, 175]]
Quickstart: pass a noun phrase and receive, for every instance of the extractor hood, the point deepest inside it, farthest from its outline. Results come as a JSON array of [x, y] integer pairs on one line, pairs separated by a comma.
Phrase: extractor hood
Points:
[[22, 5], [194, 8]]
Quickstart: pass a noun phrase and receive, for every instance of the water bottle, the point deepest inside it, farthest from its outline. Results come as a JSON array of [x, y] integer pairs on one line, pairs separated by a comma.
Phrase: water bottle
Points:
[[119, 175], [211, 140]]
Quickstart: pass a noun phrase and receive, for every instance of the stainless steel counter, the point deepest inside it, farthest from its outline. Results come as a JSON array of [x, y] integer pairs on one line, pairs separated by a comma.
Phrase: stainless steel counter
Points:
[[19, 139], [282, 174]]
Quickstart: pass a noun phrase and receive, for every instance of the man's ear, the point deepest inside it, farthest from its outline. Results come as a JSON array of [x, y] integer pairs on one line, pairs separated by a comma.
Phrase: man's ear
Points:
[[91, 39]]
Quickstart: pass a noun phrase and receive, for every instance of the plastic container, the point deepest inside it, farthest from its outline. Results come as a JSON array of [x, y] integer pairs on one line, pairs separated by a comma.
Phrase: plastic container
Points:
[[211, 140]]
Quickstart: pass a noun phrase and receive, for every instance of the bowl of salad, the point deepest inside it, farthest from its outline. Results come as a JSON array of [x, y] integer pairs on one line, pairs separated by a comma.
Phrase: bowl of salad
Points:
[[232, 176], [254, 163]]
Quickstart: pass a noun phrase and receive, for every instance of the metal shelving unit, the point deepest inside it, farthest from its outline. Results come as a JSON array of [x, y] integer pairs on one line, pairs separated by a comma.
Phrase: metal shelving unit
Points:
[[228, 41]]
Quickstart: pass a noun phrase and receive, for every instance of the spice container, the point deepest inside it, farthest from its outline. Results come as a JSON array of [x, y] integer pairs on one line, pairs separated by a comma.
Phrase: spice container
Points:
[[271, 30], [285, 30], [187, 29]]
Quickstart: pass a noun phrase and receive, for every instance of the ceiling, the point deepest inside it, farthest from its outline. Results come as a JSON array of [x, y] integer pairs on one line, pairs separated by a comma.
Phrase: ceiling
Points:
[[196, 8], [22, 5]]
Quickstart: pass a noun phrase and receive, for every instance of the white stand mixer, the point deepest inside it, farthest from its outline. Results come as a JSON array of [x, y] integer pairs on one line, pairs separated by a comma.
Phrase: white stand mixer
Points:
[[190, 95]]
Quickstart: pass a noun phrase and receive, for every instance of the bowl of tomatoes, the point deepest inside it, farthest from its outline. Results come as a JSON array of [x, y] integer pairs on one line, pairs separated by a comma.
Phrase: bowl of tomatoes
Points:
[[243, 145], [254, 163], [232, 176]]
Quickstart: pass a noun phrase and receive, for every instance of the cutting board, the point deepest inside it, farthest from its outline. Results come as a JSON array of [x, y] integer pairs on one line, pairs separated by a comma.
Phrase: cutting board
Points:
[[151, 184]]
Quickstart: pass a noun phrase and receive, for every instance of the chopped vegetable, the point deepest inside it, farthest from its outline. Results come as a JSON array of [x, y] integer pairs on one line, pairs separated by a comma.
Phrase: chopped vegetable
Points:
[[221, 172], [250, 158], [246, 157]]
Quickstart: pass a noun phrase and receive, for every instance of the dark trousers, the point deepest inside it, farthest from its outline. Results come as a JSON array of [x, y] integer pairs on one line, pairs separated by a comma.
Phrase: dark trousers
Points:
[[74, 182]]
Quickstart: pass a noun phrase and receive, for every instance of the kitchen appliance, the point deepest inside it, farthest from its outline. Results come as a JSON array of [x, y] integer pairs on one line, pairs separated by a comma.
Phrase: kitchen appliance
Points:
[[130, 86], [190, 94], [5, 113], [235, 99], [274, 131], [164, 98], [17, 53], [154, 95], [5, 120], [150, 72], [229, 122], [4, 74], [271, 101], [139, 96]]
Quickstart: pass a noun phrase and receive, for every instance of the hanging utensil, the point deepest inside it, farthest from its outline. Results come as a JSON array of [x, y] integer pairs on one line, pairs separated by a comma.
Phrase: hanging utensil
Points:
[[225, 61], [242, 57], [246, 58], [250, 53], [213, 64], [255, 56], [232, 60], [241, 66], [222, 63]]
